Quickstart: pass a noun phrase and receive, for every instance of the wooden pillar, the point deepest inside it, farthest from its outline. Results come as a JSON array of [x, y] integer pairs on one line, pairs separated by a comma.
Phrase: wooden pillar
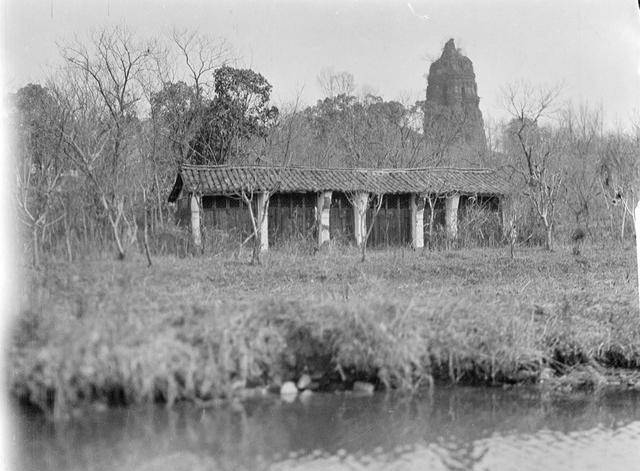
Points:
[[417, 220], [262, 201], [323, 208], [195, 220], [360, 204], [451, 218]]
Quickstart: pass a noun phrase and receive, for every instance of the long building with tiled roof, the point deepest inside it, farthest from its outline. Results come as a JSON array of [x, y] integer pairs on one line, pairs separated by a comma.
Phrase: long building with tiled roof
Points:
[[222, 180], [330, 204]]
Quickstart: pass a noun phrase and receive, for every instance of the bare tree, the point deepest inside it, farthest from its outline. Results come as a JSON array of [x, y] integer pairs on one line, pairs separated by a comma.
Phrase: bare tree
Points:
[[619, 171], [365, 132], [275, 150], [432, 199], [334, 83], [258, 214], [201, 55], [373, 202], [280, 146], [537, 149], [183, 85], [443, 129], [257, 202], [582, 130], [397, 134], [102, 91]]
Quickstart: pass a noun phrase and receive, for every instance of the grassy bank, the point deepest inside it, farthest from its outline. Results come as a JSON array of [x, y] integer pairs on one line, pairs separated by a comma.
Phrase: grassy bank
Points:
[[205, 328]]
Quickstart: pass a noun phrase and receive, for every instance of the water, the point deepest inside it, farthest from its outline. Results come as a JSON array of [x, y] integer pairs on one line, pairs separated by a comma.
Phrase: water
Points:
[[452, 429]]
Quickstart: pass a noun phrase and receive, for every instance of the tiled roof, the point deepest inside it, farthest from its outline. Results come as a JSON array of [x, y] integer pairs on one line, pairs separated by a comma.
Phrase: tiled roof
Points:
[[216, 180]]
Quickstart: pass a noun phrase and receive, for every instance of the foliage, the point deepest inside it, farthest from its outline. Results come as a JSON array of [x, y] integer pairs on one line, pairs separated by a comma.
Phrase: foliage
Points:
[[98, 143], [175, 109], [619, 168], [238, 113], [102, 92], [480, 226], [39, 124], [445, 130], [189, 329], [536, 150], [367, 132]]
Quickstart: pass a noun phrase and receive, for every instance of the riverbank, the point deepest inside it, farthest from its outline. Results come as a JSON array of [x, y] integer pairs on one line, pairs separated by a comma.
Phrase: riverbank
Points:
[[205, 329]]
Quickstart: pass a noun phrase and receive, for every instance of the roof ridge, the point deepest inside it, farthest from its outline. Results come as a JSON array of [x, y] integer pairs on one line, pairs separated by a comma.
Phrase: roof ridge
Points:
[[362, 169], [221, 179]]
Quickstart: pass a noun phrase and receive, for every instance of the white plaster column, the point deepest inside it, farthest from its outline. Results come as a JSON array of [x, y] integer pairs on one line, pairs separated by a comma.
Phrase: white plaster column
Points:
[[506, 212], [451, 217], [417, 221], [360, 204], [262, 201], [195, 219], [323, 208]]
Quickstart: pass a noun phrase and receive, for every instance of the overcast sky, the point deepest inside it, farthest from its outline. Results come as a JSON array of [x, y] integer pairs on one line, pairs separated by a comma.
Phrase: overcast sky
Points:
[[592, 47]]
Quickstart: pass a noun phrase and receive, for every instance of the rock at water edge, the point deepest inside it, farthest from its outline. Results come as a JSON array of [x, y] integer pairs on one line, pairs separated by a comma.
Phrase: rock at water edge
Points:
[[306, 395], [288, 389], [304, 382], [363, 387]]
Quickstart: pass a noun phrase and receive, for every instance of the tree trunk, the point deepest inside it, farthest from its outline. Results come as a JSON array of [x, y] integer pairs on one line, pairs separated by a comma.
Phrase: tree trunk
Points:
[[513, 236], [116, 235], [637, 227], [255, 256], [158, 193], [624, 223], [85, 229], [611, 224], [549, 236], [431, 216], [145, 239], [115, 223], [34, 235], [67, 229]]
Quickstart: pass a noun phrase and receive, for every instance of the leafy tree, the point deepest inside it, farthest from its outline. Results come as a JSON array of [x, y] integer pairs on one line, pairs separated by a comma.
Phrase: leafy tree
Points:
[[367, 132], [239, 112], [175, 111], [39, 124]]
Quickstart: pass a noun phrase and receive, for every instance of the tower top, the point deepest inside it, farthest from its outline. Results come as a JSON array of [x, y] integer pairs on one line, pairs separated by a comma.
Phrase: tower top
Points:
[[449, 47], [452, 102]]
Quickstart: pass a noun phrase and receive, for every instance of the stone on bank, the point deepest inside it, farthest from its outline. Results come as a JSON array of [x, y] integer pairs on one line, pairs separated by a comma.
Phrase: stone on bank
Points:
[[289, 389]]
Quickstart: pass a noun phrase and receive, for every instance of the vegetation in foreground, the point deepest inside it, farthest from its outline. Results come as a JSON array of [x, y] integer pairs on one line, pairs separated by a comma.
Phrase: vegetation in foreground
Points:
[[205, 329]]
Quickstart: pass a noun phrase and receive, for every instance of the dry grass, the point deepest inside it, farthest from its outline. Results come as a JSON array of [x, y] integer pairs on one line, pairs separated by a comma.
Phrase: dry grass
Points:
[[197, 328]]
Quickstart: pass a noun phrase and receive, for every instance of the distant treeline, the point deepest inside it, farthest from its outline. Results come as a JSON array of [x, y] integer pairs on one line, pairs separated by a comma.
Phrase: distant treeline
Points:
[[97, 145]]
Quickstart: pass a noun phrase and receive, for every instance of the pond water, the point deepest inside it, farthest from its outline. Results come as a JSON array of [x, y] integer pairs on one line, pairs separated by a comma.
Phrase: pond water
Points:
[[450, 429]]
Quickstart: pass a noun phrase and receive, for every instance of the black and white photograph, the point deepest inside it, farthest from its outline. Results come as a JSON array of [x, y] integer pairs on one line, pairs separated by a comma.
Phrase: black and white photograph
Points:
[[320, 235]]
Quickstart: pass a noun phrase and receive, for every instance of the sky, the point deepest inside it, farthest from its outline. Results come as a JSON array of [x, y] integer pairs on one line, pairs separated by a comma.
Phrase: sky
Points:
[[590, 47]]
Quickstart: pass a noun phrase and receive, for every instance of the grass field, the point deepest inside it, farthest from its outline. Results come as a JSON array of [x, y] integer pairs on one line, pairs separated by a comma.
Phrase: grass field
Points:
[[203, 329]]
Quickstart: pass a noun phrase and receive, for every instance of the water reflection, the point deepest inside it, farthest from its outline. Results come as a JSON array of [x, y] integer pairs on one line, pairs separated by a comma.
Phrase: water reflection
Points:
[[461, 428]]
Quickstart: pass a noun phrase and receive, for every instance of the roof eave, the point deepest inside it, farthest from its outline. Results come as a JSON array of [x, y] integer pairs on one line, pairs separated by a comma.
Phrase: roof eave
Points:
[[177, 189]]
